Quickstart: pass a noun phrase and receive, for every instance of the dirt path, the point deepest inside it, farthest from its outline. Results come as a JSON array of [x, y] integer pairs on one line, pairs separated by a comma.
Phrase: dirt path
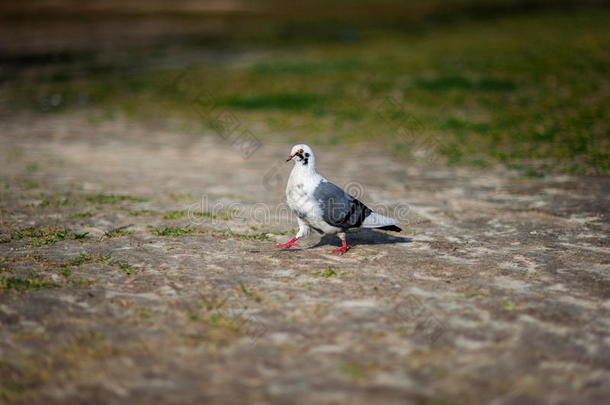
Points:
[[496, 291]]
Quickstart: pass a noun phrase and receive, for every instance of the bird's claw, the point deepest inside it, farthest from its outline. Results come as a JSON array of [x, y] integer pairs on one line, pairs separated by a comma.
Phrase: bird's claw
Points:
[[342, 249], [286, 245]]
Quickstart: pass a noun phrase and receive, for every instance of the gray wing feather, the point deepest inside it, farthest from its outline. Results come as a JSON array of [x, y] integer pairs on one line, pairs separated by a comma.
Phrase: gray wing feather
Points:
[[339, 208]]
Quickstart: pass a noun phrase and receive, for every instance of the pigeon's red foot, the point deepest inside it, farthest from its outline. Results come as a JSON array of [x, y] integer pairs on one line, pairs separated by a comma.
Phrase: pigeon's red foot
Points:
[[287, 244], [342, 249]]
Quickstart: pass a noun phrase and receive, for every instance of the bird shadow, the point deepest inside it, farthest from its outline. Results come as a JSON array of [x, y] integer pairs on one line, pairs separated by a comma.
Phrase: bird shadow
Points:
[[363, 237]]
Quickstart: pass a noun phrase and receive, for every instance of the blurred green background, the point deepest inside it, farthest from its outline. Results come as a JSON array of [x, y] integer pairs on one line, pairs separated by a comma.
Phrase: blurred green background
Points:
[[523, 84]]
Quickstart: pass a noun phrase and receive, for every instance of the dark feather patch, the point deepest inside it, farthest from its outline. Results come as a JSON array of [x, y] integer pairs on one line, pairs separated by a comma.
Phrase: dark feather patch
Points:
[[339, 208], [304, 159], [390, 228]]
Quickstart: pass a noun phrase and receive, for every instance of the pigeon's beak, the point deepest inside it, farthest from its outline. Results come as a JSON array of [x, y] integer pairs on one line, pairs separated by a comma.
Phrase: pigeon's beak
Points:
[[290, 157]]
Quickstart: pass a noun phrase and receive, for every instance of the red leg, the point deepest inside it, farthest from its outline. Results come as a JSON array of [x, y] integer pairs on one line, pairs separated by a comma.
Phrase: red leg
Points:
[[343, 248], [287, 244]]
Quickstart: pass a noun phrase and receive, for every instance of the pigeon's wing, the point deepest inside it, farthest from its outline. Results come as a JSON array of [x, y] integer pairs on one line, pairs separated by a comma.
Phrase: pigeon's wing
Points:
[[339, 208]]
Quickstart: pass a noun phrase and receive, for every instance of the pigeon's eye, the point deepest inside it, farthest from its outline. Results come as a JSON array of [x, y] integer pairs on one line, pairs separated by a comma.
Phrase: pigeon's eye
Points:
[[307, 155], [301, 151]]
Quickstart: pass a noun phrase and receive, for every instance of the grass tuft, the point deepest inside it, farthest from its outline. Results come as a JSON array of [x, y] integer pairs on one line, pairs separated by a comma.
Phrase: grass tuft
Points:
[[250, 293], [86, 214], [137, 213], [326, 274], [111, 198], [55, 203], [29, 283], [117, 232], [126, 268], [45, 236], [171, 231]]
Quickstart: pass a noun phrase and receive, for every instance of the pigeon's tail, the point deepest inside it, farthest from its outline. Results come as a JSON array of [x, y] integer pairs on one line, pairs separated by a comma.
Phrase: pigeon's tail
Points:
[[390, 228], [374, 220]]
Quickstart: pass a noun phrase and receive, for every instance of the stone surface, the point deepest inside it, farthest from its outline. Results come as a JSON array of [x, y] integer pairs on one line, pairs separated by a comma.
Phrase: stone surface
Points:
[[495, 292]]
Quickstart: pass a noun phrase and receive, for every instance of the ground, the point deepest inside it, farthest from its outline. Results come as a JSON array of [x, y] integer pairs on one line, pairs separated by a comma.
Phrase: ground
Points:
[[142, 175], [142, 268]]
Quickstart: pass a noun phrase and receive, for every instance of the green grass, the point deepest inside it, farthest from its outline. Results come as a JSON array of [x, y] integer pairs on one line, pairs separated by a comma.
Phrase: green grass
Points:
[[290, 231], [276, 101], [442, 84], [250, 293], [178, 214], [11, 385], [251, 236], [171, 231], [224, 324], [174, 215], [29, 283], [121, 266], [55, 203], [308, 67], [80, 259], [47, 236], [86, 214], [111, 198], [87, 258], [137, 213], [126, 268], [117, 232], [81, 282], [351, 370], [326, 274], [528, 89], [91, 198], [181, 197]]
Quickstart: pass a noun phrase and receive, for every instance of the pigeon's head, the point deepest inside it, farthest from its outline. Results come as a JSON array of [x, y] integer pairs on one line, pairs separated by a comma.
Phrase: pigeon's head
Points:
[[302, 154]]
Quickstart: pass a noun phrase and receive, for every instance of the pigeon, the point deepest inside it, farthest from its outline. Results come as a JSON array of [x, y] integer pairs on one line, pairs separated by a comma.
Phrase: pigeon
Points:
[[323, 206]]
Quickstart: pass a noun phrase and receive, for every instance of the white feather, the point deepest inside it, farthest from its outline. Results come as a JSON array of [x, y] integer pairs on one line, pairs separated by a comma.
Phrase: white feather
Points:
[[375, 220], [303, 181]]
